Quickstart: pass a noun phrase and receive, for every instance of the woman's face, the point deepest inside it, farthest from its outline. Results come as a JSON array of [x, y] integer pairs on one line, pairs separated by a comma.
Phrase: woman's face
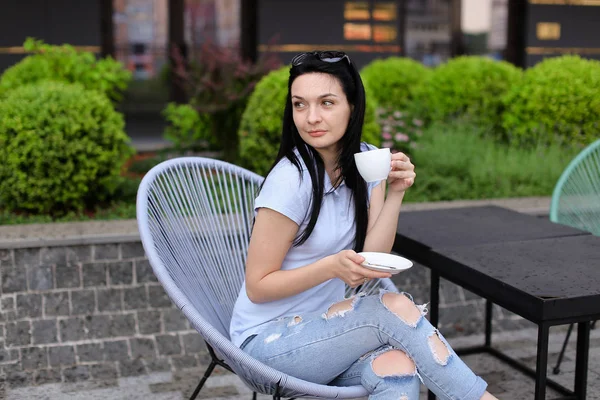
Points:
[[321, 110]]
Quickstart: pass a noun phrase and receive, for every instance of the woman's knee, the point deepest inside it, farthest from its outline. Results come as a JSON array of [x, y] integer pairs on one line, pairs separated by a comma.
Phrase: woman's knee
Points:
[[393, 363], [403, 307], [339, 309]]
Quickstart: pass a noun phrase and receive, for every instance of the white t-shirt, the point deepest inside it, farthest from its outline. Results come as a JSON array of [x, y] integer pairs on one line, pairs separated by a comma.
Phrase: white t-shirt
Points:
[[284, 192]]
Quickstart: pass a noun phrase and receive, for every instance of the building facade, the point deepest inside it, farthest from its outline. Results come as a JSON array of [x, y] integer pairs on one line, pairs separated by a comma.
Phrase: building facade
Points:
[[140, 33], [137, 32]]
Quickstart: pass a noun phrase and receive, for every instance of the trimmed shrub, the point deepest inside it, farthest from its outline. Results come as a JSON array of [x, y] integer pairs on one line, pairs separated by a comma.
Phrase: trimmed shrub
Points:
[[371, 129], [66, 64], [558, 101], [261, 124], [469, 87], [393, 81], [62, 148], [187, 129]]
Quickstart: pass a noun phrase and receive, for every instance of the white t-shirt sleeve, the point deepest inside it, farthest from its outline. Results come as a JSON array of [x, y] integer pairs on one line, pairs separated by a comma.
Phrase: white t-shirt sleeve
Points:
[[285, 192]]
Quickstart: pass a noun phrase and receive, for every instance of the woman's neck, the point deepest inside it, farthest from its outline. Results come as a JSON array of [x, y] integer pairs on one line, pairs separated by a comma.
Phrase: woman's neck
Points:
[[330, 162]]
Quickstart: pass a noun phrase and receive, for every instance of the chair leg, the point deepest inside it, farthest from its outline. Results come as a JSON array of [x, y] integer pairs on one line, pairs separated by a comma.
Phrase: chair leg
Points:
[[209, 371], [276, 395], [556, 369], [253, 395]]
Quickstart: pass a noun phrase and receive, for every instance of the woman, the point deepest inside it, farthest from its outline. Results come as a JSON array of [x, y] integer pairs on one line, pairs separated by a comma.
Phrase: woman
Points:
[[313, 214]]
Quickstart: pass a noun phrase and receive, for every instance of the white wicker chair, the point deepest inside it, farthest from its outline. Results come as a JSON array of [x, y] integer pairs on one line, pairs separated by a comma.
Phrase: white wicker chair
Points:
[[195, 217]]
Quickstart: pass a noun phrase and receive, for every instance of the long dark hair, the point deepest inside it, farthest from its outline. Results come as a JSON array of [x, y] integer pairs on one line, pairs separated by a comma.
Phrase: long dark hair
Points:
[[347, 74]]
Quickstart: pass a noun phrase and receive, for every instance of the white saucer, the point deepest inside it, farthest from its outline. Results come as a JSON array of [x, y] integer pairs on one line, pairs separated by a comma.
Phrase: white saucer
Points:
[[385, 262]]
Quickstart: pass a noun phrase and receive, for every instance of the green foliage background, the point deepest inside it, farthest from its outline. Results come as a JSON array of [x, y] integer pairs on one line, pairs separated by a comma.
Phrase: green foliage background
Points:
[[460, 160], [393, 81], [62, 148], [558, 101], [467, 86], [187, 129], [66, 64]]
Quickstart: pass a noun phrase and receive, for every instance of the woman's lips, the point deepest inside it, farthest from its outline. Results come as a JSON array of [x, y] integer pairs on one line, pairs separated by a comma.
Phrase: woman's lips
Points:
[[317, 133]]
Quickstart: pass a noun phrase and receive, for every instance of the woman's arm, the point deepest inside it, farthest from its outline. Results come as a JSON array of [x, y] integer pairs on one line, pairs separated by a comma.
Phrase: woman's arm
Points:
[[272, 237], [384, 212], [383, 219]]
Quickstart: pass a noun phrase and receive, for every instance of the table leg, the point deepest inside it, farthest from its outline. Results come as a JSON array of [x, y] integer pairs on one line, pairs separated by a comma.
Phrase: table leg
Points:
[[581, 361], [488, 323], [434, 296], [434, 307], [542, 361]]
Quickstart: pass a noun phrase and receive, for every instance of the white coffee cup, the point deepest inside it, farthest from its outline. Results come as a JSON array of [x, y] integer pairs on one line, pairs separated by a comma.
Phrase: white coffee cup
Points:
[[374, 165]]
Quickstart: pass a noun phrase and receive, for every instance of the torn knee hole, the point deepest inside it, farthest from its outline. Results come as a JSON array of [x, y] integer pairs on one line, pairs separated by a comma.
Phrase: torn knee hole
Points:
[[438, 348], [393, 363], [403, 307], [295, 321], [339, 309], [273, 337]]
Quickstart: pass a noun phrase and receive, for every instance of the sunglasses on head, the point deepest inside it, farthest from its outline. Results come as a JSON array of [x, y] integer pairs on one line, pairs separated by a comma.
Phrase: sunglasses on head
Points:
[[325, 56]]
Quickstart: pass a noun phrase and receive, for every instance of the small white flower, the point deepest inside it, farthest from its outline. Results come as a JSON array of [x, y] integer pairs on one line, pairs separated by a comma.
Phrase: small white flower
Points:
[[401, 137]]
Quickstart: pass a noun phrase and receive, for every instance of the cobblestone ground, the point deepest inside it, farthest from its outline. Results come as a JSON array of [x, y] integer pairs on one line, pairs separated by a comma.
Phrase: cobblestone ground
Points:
[[504, 382]]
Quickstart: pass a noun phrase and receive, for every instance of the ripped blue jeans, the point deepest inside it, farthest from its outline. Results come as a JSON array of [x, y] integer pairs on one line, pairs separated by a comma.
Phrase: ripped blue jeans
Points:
[[339, 348]]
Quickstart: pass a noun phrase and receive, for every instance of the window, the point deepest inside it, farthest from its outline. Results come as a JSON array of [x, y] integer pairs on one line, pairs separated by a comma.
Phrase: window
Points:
[[385, 12], [385, 33], [357, 31], [361, 15], [357, 11], [547, 30]]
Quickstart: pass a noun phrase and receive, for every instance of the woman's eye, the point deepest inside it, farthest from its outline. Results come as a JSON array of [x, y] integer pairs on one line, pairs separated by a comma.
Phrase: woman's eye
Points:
[[328, 103], [298, 104]]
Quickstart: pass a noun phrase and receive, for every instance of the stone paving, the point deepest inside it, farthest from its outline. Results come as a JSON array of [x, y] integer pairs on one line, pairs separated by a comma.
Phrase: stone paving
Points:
[[504, 382]]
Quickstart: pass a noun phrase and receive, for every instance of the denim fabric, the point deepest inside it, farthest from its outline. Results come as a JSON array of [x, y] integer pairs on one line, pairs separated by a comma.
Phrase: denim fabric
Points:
[[340, 349]]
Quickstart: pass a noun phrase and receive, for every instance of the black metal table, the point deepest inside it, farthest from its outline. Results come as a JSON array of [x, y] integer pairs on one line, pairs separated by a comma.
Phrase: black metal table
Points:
[[449, 241]]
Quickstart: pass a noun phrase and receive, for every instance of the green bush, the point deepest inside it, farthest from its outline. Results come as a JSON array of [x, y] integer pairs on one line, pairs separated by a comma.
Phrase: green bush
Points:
[[66, 64], [187, 129], [260, 127], [460, 161], [62, 148], [393, 81], [558, 101], [371, 129], [468, 86], [261, 124]]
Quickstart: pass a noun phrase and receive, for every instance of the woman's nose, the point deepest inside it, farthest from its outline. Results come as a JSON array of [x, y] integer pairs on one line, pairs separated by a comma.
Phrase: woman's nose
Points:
[[314, 116]]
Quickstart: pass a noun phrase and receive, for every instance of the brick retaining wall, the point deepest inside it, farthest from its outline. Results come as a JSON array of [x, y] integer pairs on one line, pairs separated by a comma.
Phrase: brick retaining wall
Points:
[[96, 312], [88, 312]]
